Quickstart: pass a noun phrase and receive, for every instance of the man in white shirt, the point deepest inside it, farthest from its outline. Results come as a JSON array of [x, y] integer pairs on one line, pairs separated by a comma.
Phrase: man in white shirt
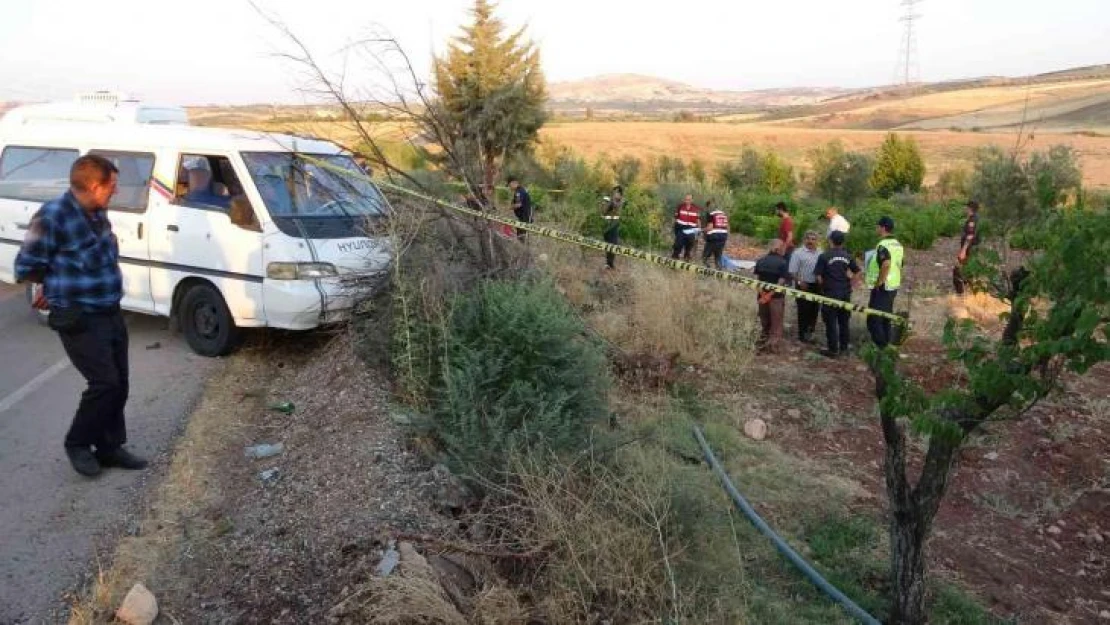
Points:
[[837, 222]]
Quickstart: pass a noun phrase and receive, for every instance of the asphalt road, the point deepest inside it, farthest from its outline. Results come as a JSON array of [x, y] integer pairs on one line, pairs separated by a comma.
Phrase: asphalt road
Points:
[[54, 523]]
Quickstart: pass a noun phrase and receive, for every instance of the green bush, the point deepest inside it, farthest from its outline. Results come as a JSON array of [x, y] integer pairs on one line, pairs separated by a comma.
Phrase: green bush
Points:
[[898, 167], [1018, 192], [518, 373], [755, 172], [839, 176]]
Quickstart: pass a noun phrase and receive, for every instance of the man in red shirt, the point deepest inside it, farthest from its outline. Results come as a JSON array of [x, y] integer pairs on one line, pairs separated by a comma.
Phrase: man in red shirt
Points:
[[716, 234], [786, 230], [687, 218]]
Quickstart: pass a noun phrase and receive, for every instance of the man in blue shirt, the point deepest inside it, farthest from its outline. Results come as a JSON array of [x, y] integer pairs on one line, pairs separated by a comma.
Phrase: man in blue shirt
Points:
[[522, 204], [70, 249]]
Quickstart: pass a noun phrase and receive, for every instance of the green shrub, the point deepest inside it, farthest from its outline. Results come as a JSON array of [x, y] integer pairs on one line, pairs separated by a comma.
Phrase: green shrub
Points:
[[1018, 192], [898, 167], [517, 374], [755, 172], [839, 176]]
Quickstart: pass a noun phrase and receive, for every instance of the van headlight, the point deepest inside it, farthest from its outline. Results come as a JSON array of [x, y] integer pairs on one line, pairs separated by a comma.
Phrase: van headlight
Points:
[[300, 271]]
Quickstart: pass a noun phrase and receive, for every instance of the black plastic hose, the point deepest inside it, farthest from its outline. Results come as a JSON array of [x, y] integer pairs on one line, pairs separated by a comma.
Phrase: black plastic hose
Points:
[[849, 606]]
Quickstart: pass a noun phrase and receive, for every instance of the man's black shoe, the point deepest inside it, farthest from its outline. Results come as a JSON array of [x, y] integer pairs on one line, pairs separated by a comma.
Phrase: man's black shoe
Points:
[[83, 461], [120, 457], [828, 353]]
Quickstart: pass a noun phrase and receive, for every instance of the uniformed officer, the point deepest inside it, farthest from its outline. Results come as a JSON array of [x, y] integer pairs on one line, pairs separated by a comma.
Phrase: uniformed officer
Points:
[[883, 276], [716, 234], [612, 216], [686, 222]]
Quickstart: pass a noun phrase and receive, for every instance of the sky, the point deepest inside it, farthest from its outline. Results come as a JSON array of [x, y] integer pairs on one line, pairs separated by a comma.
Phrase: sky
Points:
[[223, 52]]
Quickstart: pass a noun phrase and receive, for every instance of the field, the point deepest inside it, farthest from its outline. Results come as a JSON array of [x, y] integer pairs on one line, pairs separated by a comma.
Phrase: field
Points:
[[713, 142]]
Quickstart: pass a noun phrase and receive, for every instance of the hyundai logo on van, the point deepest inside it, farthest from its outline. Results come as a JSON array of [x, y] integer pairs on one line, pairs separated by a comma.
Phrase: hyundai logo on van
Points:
[[352, 246]]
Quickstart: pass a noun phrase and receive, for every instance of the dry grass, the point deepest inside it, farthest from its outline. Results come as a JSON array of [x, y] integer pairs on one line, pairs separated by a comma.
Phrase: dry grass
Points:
[[646, 309], [186, 490]]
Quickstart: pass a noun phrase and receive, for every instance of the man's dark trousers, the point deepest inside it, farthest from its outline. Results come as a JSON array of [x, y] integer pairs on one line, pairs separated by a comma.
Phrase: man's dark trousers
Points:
[[879, 327], [98, 350], [807, 312], [683, 243], [837, 324], [612, 235], [715, 247]]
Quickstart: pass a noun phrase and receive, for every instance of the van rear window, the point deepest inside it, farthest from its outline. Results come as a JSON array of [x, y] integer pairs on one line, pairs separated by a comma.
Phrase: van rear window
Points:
[[34, 174]]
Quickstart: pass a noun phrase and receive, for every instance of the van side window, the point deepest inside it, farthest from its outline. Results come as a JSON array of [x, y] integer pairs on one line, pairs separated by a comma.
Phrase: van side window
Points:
[[35, 174], [205, 182], [209, 182], [135, 169]]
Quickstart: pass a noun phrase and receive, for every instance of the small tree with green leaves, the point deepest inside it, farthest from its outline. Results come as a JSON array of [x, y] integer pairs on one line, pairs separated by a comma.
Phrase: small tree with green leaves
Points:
[[840, 176], [1058, 323], [898, 167], [490, 96], [1017, 192]]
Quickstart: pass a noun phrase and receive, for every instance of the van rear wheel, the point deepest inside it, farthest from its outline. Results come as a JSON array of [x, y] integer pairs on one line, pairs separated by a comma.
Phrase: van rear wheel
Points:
[[206, 322]]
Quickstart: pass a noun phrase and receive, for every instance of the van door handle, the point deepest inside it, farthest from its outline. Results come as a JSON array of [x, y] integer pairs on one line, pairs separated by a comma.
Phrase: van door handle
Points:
[[172, 227], [140, 231]]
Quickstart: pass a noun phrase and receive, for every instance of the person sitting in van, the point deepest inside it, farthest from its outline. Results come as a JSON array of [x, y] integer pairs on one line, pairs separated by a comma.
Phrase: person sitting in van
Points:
[[200, 190]]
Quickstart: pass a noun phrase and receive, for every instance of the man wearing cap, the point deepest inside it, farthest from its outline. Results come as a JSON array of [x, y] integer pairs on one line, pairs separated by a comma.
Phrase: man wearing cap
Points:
[[803, 262], [716, 234], [837, 222], [884, 276], [969, 240], [612, 217], [835, 272]]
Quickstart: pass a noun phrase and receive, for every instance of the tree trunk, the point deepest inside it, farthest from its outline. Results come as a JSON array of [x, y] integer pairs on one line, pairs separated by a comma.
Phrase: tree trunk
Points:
[[907, 558]]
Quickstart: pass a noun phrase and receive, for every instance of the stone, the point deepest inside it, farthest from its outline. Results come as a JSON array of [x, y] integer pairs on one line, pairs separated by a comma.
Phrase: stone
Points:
[[756, 429], [389, 562], [1104, 615], [264, 450], [992, 456], [139, 607], [269, 476], [794, 413], [1052, 529]]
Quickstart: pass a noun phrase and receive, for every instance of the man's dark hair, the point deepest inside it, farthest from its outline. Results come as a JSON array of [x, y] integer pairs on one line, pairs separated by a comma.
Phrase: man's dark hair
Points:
[[90, 169], [781, 207], [513, 179], [618, 188], [836, 237], [973, 205]]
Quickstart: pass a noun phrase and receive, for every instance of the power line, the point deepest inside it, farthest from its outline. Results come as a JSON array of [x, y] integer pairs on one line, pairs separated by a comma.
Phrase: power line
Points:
[[908, 71]]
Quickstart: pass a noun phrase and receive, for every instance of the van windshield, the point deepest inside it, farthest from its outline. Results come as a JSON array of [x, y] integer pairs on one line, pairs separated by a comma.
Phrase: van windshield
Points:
[[300, 186]]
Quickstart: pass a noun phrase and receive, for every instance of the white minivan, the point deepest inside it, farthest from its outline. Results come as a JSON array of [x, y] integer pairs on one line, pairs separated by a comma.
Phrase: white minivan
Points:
[[219, 229]]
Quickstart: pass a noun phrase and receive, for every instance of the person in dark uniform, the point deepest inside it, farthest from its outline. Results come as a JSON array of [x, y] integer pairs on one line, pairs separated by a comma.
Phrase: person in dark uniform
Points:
[[612, 217], [522, 204], [834, 272], [969, 240], [686, 219], [716, 234], [772, 269]]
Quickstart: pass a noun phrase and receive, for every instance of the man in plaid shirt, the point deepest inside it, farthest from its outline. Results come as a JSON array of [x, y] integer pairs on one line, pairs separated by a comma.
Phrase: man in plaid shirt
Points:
[[71, 251]]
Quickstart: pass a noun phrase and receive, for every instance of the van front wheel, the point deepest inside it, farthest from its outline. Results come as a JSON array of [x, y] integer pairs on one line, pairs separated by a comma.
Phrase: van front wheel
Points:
[[207, 323]]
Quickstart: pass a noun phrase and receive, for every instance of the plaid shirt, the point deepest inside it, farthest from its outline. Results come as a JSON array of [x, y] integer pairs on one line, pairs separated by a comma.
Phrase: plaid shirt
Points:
[[77, 254]]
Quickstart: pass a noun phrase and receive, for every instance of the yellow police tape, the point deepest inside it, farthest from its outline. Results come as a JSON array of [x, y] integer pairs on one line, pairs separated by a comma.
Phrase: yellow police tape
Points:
[[621, 250]]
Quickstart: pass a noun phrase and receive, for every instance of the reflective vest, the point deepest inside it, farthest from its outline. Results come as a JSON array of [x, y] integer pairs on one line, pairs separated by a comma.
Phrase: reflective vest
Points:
[[686, 216], [894, 275], [718, 223]]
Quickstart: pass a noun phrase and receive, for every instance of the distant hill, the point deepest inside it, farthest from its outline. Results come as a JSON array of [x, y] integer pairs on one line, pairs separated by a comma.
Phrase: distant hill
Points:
[[619, 91]]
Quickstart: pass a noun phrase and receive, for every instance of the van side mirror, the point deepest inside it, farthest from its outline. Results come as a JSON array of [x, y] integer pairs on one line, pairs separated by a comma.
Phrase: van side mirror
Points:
[[242, 214]]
